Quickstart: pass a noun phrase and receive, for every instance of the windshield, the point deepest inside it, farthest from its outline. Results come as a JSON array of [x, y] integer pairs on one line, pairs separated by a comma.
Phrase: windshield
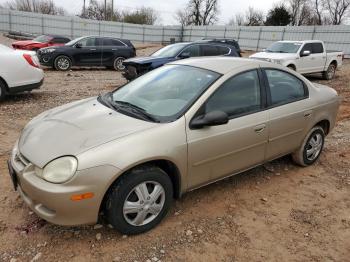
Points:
[[165, 93], [74, 41], [284, 47], [170, 50], [42, 39]]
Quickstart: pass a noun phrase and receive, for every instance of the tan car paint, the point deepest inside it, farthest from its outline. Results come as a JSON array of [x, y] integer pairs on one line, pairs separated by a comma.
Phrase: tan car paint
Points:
[[200, 156]]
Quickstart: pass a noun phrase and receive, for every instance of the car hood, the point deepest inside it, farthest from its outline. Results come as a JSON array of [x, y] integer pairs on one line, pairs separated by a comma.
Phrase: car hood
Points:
[[25, 43], [73, 129], [147, 60], [268, 55]]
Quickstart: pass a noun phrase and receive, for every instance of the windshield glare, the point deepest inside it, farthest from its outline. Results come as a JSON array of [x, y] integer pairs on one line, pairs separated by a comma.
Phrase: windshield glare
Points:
[[280, 47], [170, 50], [42, 39], [166, 92]]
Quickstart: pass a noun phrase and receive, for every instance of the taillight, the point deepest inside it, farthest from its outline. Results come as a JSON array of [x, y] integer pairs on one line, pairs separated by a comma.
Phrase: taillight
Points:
[[30, 60]]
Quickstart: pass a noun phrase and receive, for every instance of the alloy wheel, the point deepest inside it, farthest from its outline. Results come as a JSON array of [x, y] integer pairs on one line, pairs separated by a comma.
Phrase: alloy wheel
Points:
[[63, 63], [314, 147], [118, 64]]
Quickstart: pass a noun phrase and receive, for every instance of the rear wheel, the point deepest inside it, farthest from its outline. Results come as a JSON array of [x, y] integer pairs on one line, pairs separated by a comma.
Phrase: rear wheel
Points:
[[330, 73], [118, 64], [291, 67], [311, 148], [62, 63], [140, 200], [2, 90]]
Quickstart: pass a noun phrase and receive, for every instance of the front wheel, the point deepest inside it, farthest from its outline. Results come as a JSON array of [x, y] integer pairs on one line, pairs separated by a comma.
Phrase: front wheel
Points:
[[118, 64], [311, 148], [139, 201], [62, 63], [330, 73]]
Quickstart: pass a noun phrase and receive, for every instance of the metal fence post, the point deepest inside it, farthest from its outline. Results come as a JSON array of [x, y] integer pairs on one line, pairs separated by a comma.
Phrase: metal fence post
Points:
[[182, 33], [42, 25], [284, 31], [257, 46], [163, 35], [206, 31], [225, 32], [72, 27], [122, 31], [143, 35], [239, 34], [313, 33], [99, 28], [10, 20], [191, 33]]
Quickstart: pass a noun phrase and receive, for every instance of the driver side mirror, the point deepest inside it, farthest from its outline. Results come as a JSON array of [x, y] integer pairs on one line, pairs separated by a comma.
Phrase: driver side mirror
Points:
[[185, 55], [78, 45], [305, 53], [213, 118]]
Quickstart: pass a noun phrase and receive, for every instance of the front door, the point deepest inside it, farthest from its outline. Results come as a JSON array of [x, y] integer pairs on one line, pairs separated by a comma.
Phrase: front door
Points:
[[218, 151], [89, 53]]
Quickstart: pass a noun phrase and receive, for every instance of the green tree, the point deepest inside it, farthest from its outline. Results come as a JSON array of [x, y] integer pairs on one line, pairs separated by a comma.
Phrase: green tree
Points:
[[278, 16]]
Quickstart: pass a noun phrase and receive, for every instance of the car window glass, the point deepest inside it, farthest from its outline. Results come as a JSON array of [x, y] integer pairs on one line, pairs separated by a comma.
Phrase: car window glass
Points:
[[223, 50], [59, 40], [209, 50], [284, 87], [238, 95], [87, 42], [193, 51], [317, 48], [307, 47]]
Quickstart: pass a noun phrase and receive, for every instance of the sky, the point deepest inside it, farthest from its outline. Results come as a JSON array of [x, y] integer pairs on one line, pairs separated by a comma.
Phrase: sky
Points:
[[167, 8]]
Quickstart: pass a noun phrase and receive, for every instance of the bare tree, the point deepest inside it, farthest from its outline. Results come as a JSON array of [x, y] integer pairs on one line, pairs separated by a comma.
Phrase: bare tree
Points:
[[143, 15], [298, 9], [238, 19], [200, 12], [96, 10], [337, 9], [36, 6], [254, 17], [183, 17]]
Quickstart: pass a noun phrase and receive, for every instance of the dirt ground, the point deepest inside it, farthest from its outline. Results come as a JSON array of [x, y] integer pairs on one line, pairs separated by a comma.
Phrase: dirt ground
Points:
[[278, 212]]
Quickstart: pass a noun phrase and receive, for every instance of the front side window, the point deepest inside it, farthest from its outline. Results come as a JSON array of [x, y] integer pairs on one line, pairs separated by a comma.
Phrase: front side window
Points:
[[237, 96], [284, 87], [87, 42], [166, 92], [307, 47]]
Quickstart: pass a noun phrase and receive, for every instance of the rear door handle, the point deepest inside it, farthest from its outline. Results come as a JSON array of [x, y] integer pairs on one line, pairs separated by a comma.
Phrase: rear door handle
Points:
[[259, 128], [93, 49], [114, 49]]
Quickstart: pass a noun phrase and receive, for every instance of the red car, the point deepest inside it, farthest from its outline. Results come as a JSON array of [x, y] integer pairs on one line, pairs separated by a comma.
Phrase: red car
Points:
[[41, 42]]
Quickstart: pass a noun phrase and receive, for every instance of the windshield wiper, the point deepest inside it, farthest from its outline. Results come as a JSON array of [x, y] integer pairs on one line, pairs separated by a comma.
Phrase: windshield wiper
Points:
[[134, 109]]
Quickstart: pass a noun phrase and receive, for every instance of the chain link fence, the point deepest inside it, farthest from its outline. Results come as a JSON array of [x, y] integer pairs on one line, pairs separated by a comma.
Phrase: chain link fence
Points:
[[249, 37]]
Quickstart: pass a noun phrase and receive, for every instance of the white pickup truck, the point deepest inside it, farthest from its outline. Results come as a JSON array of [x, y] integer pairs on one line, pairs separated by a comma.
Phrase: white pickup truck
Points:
[[304, 57]]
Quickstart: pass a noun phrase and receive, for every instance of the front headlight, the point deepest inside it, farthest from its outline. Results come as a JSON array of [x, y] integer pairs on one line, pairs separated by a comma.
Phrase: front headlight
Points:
[[59, 170]]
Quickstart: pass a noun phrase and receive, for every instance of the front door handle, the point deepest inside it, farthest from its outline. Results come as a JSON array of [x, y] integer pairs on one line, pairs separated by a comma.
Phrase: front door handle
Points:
[[93, 49], [259, 128]]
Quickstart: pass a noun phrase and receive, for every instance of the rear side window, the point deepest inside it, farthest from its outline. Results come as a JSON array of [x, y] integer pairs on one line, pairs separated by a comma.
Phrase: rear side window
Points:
[[237, 96], [284, 87], [223, 50], [209, 50], [317, 48]]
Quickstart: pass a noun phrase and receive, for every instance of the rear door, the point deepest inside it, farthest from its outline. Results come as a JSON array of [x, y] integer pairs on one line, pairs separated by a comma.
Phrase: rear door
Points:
[[319, 57], [289, 112], [113, 48]]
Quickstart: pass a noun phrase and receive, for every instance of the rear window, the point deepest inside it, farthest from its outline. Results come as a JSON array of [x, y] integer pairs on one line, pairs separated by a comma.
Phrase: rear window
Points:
[[210, 50]]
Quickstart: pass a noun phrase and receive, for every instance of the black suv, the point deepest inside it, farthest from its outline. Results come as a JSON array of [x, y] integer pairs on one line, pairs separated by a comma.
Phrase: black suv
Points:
[[88, 51], [137, 66]]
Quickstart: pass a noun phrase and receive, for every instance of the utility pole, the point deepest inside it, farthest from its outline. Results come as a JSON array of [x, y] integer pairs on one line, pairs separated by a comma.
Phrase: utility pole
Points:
[[105, 10], [84, 8], [112, 15]]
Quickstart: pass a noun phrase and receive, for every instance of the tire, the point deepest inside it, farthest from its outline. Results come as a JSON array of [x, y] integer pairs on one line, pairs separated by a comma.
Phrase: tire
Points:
[[137, 187], [312, 144], [2, 90], [330, 73], [62, 63], [118, 64]]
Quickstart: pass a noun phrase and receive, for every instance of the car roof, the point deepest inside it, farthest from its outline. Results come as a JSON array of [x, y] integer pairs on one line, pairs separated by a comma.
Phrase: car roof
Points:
[[221, 65]]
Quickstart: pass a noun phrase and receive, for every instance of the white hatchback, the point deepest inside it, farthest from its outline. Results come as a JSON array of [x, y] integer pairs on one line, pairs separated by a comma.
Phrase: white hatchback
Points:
[[19, 71]]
